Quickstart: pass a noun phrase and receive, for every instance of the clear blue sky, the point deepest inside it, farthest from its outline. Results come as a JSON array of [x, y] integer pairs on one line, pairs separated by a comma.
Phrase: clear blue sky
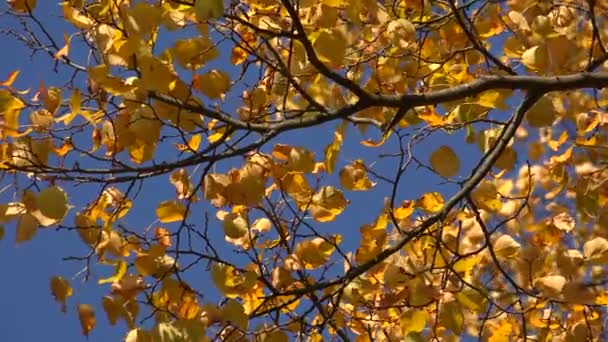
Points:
[[29, 312]]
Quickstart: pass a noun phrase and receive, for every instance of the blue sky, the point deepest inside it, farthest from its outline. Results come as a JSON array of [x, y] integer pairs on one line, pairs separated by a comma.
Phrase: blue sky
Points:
[[29, 312]]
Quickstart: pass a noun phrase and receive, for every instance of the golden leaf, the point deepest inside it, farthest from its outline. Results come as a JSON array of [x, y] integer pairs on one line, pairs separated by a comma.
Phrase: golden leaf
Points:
[[330, 47], [505, 246], [61, 290], [119, 272], [354, 177], [486, 197], [53, 203], [23, 6], [431, 202], [234, 313], [327, 203], [445, 162], [170, 211], [451, 317], [27, 226], [86, 315], [214, 84], [414, 320], [542, 113], [333, 149], [208, 9], [314, 253]]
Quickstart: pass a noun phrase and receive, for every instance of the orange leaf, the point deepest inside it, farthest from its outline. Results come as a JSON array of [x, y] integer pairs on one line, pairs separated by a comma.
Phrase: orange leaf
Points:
[[11, 78], [86, 314], [63, 52]]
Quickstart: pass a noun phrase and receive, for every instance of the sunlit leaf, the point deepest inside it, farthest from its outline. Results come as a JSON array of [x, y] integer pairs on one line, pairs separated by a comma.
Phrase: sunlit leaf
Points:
[[431, 202], [596, 250], [119, 272], [170, 211], [354, 177]]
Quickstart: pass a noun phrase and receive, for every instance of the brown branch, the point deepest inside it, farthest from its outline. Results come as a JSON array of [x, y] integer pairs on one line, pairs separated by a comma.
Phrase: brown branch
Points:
[[479, 172]]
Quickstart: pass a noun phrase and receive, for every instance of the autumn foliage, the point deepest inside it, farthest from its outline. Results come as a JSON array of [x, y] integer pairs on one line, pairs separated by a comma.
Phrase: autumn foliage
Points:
[[403, 170]]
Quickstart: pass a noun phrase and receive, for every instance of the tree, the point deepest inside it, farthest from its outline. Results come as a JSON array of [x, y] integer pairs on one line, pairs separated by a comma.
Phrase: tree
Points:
[[342, 170]]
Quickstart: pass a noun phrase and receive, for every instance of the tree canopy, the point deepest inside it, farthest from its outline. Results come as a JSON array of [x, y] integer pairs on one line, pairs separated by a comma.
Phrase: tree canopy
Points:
[[350, 170]]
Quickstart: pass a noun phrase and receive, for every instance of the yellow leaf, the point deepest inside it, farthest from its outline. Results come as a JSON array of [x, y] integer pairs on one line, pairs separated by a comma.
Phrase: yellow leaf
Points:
[[445, 162], [218, 134], [63, 52], [555, 144], [114, 309], [235, 225], [371, 143], [23, 6], [170, 211], [27, 226], [502, 333], [238, 56], [314, 253], [472, 300], [486, 197], [155, 263], [507, 159], [542, 113], [330, 47], [505, 246], [61, 290], [214, 84], [535, 58], [51, 98], [234, 313], [156, 75], [327, 203], [208, 9], [193, 53], [452, 317], [296, 186], [414, 320], [183, 185], [86, 315], [298, 158], [215, 188], [74, 16], [405, 210], [431, 202], [354, 177], [10, 79], [602, 298], [120, 271], [192, 144], [113, 85], [333, 149], [466, 264], [142, 19], [53, 203], [230, 281]]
